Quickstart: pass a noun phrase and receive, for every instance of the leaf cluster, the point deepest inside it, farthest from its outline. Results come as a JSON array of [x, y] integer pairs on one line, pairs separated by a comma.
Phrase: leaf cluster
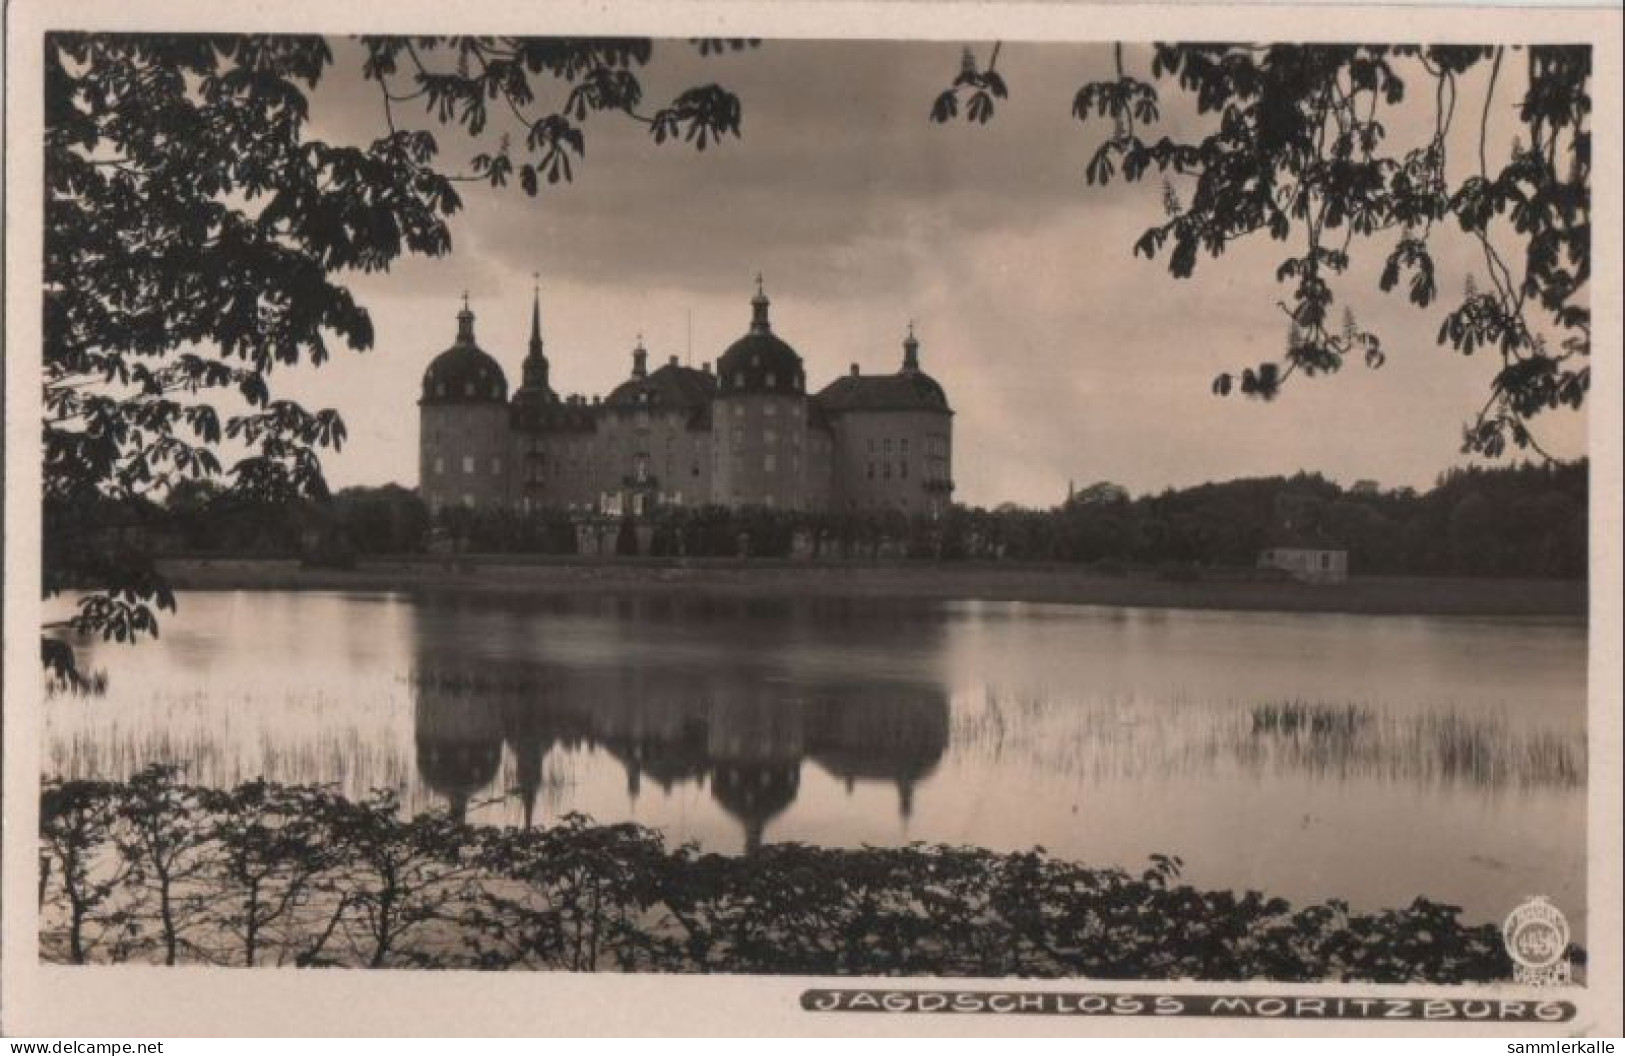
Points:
[[973, 93], [285, 874], [199, 235], [1295, 145]]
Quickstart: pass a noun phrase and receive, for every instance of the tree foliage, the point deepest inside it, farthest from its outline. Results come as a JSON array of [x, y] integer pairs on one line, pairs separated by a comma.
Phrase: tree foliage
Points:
[[1522, 520], [198, 237], [1531, 522], [1296, 145], [340, 883]]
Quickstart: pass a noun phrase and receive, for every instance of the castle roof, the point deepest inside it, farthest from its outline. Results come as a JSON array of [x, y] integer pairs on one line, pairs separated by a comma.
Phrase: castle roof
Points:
[[910, 389], [464, 373], [760, 361], [907, 391], [671, 388]]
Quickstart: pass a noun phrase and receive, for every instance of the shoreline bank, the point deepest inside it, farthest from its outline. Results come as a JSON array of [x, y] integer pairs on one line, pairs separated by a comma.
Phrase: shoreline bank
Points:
[[896, 581]]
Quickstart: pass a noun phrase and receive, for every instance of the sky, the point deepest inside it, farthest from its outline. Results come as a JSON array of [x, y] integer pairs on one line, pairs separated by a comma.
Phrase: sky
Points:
[[1065, 357]]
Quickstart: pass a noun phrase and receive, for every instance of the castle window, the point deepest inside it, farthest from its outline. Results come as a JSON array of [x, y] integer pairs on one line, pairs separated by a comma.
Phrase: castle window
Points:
[[886, 446], [496, 466], [871, 448], [902, 470], [770, 436], [468, 389], [739, 380], [439, 465], [770, 380], [770, 409], [904, 447], [739, 410], [871, 471], [468, 463], [770, 463], [887, 470], [440, 388]]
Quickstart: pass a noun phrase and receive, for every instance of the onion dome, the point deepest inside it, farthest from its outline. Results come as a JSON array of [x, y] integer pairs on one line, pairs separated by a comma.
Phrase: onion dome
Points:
[[464, 373], [760, 361], [910, 389]]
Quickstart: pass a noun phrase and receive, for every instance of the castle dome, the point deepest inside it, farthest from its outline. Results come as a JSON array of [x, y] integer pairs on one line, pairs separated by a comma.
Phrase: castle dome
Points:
[[760, 361], [464, 373]]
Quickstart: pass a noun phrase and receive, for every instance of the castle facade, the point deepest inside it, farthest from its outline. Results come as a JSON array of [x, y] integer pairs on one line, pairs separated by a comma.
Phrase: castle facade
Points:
[[748, 433]]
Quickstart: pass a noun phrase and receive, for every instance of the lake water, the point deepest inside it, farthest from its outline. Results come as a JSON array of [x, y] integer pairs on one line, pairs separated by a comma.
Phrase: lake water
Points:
[[1311, 756]]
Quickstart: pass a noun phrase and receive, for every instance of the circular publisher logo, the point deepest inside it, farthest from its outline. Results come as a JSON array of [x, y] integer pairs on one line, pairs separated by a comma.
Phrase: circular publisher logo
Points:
[[1536, 935]]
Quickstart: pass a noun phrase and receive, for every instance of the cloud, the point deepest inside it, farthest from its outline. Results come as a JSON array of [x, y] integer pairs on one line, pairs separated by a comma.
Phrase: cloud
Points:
[[1065, 356]]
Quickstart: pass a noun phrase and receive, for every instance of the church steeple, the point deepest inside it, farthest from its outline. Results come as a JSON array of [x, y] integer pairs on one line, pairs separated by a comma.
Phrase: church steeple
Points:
[[536, 366]]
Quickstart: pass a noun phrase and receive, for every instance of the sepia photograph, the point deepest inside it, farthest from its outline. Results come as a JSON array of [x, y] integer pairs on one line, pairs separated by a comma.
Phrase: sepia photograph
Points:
[[964, 523]]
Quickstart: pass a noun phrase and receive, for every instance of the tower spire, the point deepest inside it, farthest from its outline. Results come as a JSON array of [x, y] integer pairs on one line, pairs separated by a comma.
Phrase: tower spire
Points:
[[758, 309], [465, 322], [536, 315], [536, 366], [911, 350]]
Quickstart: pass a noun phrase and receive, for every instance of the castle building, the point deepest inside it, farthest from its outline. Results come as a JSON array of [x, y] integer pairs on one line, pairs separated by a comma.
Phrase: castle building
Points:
[[748, 434]]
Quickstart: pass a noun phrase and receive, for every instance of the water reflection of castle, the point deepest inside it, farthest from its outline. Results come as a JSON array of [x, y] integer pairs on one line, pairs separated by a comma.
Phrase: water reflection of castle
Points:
[[743, 730]]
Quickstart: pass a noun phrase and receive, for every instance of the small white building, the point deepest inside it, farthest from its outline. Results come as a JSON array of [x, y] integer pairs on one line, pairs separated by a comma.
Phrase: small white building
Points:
[[1308, 564]]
